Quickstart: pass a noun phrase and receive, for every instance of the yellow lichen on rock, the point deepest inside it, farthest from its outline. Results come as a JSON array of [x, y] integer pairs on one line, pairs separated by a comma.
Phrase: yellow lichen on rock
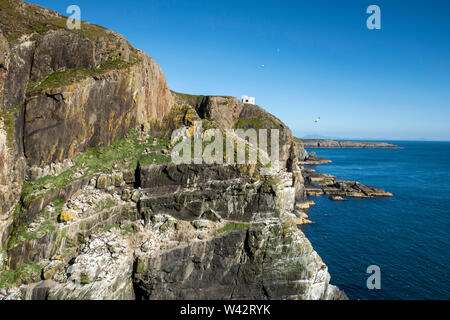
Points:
[[66, 216]]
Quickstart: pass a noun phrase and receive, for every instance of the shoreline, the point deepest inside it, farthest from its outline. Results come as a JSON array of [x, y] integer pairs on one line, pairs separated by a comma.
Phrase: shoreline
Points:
[[344, 144], [317, 183]]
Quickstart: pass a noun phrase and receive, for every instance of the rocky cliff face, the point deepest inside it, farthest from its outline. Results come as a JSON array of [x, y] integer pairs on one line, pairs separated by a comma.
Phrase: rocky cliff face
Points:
[[64, 91], [92, 206], [269, 258], [230, 113]]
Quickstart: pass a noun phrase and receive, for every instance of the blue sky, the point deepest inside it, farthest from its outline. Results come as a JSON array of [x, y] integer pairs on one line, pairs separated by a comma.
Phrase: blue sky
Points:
[[320, 59]]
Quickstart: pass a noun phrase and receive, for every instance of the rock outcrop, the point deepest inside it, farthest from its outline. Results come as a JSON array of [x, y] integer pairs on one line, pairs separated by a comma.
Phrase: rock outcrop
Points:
[[317, 183], [230, 113], [63, 91], [94, 208], [313, 160]]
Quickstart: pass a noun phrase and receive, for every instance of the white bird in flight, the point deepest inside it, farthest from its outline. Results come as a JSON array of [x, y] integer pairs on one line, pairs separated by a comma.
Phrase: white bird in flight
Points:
[[262, 66], [317, 120]]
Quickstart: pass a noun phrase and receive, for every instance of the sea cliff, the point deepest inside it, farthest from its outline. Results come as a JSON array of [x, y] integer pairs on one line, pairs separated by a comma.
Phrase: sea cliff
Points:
[[92, 207]]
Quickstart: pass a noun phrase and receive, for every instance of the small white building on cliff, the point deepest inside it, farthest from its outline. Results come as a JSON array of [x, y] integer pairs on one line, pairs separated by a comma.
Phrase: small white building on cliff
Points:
[[249, 100]]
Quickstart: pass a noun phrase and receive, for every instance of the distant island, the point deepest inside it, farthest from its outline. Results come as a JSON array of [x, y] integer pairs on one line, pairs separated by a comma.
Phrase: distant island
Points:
[[327, 143]]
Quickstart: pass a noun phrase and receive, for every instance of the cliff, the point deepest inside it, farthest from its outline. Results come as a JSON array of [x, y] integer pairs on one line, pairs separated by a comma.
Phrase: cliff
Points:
[[93, 206], [63, 91], [230, 113]]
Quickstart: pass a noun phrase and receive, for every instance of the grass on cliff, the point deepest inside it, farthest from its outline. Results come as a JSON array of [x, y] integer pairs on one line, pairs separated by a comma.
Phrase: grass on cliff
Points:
[[71, 76], [19, 19], [124, 154], [29, 272], [190, 99], [257, 122], [234, 226], [9, 121], [21, 233]]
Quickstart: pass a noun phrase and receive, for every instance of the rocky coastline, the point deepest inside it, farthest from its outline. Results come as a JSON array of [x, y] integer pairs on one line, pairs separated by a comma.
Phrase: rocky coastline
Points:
[[327, 143], [317, 183]]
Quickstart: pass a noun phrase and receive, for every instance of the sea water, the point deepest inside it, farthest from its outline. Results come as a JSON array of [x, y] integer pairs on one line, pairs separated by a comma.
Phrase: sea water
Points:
[[407, 236]]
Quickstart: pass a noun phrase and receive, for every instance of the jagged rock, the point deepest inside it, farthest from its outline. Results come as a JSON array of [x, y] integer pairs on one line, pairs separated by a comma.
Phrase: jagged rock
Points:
[[236, 266], [167, 225], [314, 160], [53, 121], [103, 181], [329, 185], [129, 177], [101, 272], [229, 113], [40, 291], [200, 224], [211, 215]]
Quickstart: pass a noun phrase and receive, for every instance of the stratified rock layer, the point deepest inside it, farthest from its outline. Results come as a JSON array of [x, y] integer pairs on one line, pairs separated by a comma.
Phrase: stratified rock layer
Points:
[[127, 231], [63, 91]]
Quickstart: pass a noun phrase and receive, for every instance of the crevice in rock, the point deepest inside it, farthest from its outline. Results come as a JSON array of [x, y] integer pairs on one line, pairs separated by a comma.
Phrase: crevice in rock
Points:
[[22, 138], [138, 292], [137, 176], [55, 96]]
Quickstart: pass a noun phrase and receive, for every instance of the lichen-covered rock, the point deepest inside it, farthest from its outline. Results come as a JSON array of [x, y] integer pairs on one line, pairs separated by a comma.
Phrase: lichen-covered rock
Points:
[[66, 216], [272, 260], [230, 113], [136, 196], [126, 195], [63, 91], [101, 272], [266, 262]]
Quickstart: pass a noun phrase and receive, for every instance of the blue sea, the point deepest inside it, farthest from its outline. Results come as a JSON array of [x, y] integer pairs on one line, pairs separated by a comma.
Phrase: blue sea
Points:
[[407, 236]]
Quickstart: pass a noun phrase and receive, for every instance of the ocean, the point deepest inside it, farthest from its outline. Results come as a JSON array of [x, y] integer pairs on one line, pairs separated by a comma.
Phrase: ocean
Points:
[[407, 236]]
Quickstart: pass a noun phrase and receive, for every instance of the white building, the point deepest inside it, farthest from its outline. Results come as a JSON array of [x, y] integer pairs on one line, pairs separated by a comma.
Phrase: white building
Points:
[[249, 100]]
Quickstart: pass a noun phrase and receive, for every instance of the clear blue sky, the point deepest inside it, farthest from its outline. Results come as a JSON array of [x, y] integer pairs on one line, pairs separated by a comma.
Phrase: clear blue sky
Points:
[[320, 59]]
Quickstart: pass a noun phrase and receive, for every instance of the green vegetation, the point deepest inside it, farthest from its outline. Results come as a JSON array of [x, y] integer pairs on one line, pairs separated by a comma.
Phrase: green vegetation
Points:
[[58, 202], [109, 227], [28, 19], [126, 153], [252, 122], [70, 76], [21, 234], [234, 226], [29, 272], [84, 279], [193, 100], [128, 229], [125, 229], [270, 181], [9, 117], [105, 204]]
